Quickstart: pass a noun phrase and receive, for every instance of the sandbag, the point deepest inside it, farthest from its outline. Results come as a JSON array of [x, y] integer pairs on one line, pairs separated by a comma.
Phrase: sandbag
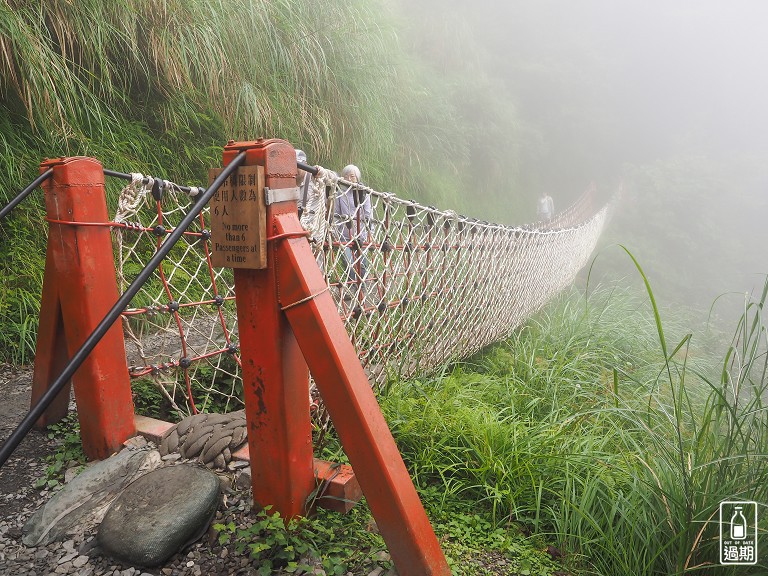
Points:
[[85, 499], [159, 514]]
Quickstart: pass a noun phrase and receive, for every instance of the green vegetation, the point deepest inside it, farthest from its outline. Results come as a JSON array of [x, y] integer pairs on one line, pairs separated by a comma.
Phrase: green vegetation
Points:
[[338, 543], [159, 87], [585, 432], [592, 436], [592, 431], [68, 453], [351, 543], [694, 224]]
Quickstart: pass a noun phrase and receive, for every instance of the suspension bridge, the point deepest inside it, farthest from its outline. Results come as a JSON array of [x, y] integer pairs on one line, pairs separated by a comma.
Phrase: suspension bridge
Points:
[[362, 287], [417, 287]]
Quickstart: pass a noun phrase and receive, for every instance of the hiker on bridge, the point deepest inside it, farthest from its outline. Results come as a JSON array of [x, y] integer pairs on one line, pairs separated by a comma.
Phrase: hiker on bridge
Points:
[[352, 212], [545, 208], [303, 180]]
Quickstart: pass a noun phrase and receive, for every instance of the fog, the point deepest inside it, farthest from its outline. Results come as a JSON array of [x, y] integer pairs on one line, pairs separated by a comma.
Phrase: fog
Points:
[[668, 98]]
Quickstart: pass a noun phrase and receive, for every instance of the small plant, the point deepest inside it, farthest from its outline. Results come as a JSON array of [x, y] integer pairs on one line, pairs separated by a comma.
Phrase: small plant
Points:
[[66, 433], [271, 542], [337, 543]]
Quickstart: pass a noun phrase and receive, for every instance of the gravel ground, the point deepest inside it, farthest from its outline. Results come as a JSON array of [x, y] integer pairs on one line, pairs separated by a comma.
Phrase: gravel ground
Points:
[[76, 555]]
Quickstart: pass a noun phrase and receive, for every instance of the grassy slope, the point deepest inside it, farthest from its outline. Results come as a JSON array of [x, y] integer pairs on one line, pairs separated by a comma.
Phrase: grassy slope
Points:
[[577, 430], [158, 87]]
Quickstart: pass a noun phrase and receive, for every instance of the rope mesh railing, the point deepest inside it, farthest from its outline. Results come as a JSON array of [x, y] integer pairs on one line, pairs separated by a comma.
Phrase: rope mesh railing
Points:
[[416, 287], [179, 328]]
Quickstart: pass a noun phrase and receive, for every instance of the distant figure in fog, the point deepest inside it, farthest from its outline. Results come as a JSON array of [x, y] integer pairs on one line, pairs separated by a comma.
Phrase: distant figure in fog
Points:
[[303, 180], [352, 214], [545, 209]]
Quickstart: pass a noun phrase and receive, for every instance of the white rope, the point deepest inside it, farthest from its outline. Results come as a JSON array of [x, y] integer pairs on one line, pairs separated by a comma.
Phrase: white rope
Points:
[[313, 217], [131, 196]]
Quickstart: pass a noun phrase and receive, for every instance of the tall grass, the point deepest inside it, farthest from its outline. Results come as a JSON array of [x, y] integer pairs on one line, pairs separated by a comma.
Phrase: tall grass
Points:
[[332, 79], [159, 86], [591, 428]]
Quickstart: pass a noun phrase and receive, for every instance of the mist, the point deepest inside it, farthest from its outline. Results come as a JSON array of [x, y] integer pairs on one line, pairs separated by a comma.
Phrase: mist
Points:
[[665, 98]]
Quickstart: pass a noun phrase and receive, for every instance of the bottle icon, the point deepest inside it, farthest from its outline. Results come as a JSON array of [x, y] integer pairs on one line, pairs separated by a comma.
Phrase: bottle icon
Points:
[[738, 525]]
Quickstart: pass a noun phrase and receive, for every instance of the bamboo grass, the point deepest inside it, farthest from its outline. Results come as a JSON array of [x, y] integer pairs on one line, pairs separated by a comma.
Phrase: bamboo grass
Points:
[[588, 430]]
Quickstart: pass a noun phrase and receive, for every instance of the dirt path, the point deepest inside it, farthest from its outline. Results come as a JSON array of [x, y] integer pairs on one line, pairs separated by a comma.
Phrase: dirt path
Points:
[[75, 556], [26, 464]]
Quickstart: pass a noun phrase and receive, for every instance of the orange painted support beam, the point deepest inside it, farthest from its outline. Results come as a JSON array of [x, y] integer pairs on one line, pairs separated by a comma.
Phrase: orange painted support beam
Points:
[[151, 429], [51, 349], [340, 490], [275, 375], [80, 287], [352, 405], [288, 320]]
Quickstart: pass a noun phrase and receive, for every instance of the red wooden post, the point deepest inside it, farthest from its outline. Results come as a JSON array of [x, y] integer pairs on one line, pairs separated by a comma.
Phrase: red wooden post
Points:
[[286, 315], [275, 375], [353, 408], [79, 289], [51, 349]]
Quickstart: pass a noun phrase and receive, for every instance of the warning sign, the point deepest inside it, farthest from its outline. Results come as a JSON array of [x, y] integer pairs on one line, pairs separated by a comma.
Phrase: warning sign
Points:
[[239, 220]]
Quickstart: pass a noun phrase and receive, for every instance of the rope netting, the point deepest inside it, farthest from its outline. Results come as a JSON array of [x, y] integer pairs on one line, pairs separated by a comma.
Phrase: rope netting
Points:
[[179, 329], [416, 286]]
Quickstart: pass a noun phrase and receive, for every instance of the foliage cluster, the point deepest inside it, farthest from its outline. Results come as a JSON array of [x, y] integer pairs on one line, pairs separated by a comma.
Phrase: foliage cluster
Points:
[[276, 545], [341, 544], [589, 428], [157, 87], [695, 223], [69, 451]]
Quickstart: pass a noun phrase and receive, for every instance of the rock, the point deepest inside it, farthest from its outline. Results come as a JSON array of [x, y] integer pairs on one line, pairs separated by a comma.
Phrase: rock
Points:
[[70, 474], [226, 483], [244, 480], [80, 561], [383, 556], [135, 442], [68, 557], [378, 571], [159, 513]]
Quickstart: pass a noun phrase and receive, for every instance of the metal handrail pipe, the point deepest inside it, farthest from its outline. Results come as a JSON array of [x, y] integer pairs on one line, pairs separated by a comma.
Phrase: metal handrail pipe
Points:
[[26, 192]]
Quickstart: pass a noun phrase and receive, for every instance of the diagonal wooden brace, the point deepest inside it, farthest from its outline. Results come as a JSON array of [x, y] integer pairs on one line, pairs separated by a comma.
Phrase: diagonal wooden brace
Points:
[[352, 405]]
